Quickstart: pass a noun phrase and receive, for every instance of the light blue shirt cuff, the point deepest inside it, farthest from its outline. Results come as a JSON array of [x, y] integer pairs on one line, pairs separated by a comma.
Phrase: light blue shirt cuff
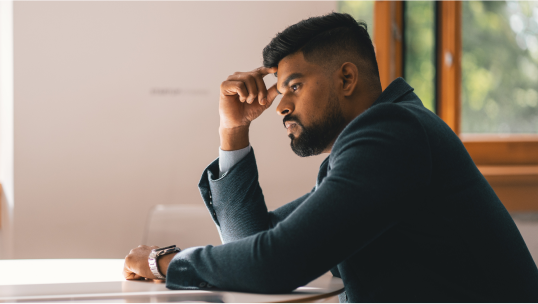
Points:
[[227, 159]]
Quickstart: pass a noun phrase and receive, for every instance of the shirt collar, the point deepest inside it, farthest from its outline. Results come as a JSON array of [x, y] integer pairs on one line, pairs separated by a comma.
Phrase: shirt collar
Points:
[[394, 91]]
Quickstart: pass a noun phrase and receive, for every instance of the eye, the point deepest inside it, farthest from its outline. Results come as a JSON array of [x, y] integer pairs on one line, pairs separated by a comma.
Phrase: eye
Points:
[[294, 87]]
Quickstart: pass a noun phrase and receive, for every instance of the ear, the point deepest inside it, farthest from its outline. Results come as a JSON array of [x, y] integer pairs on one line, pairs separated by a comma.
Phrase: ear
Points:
[[349, 75]]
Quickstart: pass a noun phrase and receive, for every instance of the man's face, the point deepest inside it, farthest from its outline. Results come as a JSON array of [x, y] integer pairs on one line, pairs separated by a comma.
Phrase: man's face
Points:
[[310, 105]]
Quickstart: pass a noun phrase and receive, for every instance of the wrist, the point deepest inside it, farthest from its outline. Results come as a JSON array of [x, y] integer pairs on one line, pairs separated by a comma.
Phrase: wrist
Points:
[[164, 261], [234, 138]]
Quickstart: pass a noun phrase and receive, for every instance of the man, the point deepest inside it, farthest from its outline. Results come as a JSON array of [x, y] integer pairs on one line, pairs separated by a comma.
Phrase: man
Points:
[[399, 211]]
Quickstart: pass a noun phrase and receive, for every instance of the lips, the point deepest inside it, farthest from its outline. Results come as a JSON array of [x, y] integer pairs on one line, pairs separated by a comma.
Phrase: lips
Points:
[[291, 127], [290, 124]]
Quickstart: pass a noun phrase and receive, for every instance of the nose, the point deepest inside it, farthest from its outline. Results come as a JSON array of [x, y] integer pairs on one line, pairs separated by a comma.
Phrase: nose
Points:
[[285, 107]]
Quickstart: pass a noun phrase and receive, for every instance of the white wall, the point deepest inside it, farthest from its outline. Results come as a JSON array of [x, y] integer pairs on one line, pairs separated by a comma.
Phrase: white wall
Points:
[[95, 147], [6, 128]]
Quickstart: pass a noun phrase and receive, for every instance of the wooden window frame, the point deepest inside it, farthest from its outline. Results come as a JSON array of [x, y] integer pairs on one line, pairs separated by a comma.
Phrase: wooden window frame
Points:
[[388, 40], [509, 162]]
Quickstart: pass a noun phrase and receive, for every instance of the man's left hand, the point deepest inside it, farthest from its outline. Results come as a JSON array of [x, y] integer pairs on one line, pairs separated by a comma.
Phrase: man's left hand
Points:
[[136, 265]]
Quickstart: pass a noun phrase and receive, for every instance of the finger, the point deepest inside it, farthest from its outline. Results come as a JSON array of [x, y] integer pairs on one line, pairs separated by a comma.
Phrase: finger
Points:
[[124, 272], [252, 87], [128, 274], [250, 83], [262, 90], [133, 276], [272, 93], [235, 87], [264, 71]]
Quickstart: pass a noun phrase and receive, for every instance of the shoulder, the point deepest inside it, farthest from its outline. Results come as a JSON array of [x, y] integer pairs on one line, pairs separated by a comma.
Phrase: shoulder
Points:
[[397, 123], [385, 144], [389, 113]]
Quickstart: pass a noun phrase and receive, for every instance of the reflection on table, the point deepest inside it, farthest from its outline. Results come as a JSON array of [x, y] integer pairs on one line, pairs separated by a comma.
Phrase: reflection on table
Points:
[[95, 280]]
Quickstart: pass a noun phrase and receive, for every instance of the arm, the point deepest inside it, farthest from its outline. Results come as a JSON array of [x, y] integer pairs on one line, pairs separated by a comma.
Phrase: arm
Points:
[[234, 197], [227, 159], [361, 197], [236, 202]]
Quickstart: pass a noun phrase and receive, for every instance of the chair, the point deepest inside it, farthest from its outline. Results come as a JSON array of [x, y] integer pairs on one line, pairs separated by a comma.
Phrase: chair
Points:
[[182, 225]]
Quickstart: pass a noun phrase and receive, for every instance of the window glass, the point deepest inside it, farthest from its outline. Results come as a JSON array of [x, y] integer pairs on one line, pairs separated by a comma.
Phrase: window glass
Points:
[[419, 49], [500, 67], [360, 10]]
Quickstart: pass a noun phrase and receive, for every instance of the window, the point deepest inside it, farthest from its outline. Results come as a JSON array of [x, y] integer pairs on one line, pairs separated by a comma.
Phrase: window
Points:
[[419, 49], [484, 83], [500, 67]]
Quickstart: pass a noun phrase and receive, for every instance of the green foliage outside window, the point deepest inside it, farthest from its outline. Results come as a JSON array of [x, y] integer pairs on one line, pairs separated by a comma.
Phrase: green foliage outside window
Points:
[[499, 60], [419, 61], [500, 67], [419, 42], [360, 10]]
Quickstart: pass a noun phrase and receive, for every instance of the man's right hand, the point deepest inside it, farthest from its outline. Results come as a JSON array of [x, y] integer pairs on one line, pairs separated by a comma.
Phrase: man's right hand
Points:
[[243, 97]]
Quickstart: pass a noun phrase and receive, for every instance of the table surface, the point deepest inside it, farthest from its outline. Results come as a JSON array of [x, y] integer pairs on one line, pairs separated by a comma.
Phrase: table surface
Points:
[[100, 280]]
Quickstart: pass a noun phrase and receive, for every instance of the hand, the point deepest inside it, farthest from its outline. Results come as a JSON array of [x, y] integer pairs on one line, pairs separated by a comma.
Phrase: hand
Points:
[[136, 265], [243, 98]]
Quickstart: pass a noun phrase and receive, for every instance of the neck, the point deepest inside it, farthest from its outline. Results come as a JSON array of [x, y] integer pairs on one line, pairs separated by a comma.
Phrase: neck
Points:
[[358, 105]]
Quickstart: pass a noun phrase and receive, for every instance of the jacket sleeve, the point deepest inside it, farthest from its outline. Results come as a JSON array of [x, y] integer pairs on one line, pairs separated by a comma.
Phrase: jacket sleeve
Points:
[[376, 166], [235, 200]]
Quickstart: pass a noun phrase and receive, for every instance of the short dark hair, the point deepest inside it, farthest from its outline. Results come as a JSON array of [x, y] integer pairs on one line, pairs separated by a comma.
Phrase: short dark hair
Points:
[[324, 40]]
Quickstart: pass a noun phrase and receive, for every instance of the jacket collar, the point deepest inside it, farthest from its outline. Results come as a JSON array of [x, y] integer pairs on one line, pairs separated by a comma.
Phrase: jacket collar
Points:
[[394, 91]]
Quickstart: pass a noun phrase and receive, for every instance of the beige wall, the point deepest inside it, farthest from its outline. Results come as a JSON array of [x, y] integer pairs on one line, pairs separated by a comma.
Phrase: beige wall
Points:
[[97, 143]]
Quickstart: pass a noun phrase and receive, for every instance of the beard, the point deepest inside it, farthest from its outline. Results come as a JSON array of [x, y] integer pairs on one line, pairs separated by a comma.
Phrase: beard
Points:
[[315, 139]]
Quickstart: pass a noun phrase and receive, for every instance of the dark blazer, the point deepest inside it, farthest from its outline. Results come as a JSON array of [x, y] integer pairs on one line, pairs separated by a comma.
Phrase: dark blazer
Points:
[[399, 211]]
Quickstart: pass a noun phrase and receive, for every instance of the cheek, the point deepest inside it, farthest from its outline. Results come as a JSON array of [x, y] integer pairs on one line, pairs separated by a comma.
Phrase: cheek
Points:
[[315, 101]]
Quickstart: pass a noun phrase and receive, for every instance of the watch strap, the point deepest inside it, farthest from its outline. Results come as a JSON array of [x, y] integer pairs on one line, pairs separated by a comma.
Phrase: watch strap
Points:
[[154, 256]]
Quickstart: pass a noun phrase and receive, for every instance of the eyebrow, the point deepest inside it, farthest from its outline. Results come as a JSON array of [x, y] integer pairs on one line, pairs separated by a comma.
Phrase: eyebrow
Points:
[[290, 78]]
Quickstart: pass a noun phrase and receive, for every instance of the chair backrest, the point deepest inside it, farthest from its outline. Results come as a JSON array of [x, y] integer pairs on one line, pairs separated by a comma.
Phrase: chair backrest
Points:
[[182, 225]]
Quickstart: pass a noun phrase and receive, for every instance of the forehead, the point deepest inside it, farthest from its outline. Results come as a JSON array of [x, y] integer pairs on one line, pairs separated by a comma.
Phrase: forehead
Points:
[[295, 63]]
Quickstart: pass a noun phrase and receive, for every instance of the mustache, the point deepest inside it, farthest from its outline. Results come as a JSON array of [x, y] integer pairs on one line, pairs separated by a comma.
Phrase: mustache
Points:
[[293, 119]]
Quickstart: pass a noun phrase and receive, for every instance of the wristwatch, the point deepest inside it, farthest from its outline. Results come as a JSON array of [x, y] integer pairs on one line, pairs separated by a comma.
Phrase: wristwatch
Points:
[[155, 254]]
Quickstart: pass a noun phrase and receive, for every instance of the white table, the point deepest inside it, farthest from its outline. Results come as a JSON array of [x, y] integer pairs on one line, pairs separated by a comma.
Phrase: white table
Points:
[[100, 280]]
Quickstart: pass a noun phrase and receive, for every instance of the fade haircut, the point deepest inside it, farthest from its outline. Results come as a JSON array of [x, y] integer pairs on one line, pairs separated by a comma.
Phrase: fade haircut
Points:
[[328, 41]]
